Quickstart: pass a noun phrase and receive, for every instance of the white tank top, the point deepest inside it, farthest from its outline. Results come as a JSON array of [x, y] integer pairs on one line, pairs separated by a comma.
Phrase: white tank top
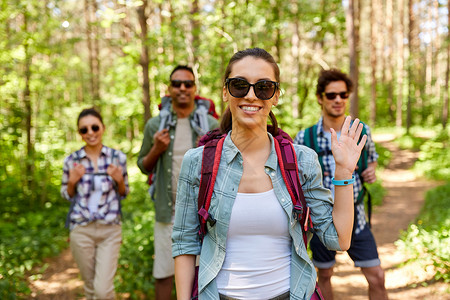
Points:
[[258, 249], [96, 195]]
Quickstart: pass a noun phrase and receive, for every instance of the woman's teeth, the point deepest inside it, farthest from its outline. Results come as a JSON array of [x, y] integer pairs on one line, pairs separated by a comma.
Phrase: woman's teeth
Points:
[[250, 108]]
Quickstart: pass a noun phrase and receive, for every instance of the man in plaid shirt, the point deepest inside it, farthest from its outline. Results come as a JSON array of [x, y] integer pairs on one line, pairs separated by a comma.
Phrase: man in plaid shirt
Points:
[[333, 90]]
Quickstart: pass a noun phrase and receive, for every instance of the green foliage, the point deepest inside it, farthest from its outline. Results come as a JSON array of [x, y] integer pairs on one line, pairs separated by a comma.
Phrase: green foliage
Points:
[[410, 142], [384, 155], [434, 158], [27, 238], [377, 192], [428, 240], [134, 273]]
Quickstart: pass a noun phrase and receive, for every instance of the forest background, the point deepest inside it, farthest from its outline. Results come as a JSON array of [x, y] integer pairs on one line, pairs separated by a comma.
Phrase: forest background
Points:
[[58, 57]]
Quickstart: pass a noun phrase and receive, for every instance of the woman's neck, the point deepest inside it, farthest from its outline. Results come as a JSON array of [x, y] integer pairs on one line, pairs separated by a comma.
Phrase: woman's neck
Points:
[[93, 150], [250, 140]]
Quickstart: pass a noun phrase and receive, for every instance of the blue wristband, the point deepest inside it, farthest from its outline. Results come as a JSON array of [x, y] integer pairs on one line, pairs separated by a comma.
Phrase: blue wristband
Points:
[[343, 182]]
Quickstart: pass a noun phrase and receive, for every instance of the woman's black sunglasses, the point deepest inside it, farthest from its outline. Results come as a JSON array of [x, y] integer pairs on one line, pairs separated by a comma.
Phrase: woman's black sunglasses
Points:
[[84, 130], [332, 96], [263, 89]]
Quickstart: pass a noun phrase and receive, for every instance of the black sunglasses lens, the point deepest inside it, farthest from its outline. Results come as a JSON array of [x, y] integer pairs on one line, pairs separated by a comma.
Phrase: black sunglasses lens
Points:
[[95, 128], [332, 96], [176, 83], [187, 83], [83, 130], [238, 87], [265, 89], [343, 95]]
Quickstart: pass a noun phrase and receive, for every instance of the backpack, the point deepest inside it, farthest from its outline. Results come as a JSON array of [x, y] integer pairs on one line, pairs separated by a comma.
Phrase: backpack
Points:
[[199, 122], [72, 203], [310, 140], [287, 161]]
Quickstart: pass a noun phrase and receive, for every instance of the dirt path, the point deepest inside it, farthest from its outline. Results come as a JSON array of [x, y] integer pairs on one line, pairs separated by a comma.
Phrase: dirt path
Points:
[[401, 205]]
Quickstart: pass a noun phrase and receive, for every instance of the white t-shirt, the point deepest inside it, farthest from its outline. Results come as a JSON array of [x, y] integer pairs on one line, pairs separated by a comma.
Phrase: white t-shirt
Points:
[[258, 249], [181, 144]]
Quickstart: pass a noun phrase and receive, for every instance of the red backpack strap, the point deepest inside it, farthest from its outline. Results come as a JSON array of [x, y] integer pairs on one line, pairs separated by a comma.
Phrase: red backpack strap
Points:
[[287, 161], [212, 152]]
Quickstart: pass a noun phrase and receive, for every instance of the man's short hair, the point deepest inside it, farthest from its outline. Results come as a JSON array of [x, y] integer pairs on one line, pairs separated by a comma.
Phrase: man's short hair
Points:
[[182, 67], [331, 75]]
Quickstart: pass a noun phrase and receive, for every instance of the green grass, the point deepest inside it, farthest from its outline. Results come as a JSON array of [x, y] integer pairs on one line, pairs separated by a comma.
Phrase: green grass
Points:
[[434, 158]]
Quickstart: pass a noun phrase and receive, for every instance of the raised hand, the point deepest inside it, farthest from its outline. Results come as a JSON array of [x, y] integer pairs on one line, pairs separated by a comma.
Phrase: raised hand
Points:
[[346, 151]]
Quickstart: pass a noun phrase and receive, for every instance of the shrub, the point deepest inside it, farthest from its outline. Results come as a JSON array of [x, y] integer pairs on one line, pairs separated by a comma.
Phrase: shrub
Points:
[[428, 240]]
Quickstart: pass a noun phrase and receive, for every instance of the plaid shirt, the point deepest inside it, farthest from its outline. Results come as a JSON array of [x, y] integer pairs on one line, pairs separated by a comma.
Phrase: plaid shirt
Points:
[[212, 253], [328, 162], [108, 206]]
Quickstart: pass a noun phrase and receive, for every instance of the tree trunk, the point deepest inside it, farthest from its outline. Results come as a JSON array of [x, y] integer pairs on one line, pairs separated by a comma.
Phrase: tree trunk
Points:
[[194, 36], [429, 55], [96, 58], [144, 60], [446, 96], [222, 53], [353, 41], [410, 63], [93, 51], [373, 61], [437, 46], [390, 63], [29, 161], [400, 64]]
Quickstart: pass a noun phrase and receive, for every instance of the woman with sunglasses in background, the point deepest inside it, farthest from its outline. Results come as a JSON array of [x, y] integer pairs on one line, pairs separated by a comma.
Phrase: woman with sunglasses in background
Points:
[[95, 180], [255, 249]]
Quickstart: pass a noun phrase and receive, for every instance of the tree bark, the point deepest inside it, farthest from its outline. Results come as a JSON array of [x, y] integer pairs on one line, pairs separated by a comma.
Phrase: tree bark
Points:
[[446, 96], [194, 36], [352, 25], [389, 66], [410, 63], [29, 161], [144, 60], [373, 62], [400, 64], [93, 51]]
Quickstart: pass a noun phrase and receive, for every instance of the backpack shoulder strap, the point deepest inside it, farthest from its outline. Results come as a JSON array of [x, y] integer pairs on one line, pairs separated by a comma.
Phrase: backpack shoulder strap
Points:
[[310, 140], [165, 115], [200, 120], [76, 159], [212, 152], [363, 159], [287, 161]]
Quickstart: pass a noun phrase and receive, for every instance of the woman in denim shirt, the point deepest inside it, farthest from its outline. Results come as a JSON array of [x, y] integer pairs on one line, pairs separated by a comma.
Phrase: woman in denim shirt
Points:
[[255, 250]]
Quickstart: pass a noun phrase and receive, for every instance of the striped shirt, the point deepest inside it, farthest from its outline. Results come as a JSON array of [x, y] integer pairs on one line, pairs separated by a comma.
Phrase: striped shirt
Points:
[[328, 166], [108, 205]]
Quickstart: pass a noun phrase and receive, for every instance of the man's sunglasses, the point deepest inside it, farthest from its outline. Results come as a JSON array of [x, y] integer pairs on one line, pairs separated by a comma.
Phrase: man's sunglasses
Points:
[[178, 83], [332, 96], [263, 89], [84, 130]]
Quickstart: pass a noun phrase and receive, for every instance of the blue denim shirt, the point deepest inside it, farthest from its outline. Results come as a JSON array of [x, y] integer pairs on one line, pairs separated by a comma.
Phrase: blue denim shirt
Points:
[[212, 253]]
